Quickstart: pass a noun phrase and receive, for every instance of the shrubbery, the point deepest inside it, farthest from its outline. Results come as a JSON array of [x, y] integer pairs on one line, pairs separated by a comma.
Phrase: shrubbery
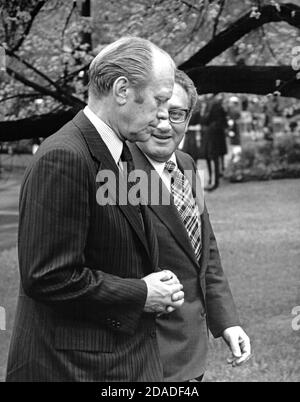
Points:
[[267, 160]]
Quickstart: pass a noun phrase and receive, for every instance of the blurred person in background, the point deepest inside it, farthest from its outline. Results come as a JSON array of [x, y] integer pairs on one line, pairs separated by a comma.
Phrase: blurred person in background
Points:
[[214, 131], [192, 138], [234, 115]]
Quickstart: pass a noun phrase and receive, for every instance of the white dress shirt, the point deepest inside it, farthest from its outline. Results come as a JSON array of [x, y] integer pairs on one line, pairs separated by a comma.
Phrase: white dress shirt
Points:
[[110, 138], [162, 172]]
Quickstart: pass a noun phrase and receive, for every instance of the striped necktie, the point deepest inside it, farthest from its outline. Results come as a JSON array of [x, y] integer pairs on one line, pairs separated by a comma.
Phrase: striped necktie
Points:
[[186, 206]]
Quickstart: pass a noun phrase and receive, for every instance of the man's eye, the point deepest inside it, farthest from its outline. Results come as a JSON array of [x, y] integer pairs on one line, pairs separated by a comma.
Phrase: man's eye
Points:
[[176, 114]]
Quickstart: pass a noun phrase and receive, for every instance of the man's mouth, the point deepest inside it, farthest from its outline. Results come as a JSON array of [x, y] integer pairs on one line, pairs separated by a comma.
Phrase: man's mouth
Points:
[[162, 137]]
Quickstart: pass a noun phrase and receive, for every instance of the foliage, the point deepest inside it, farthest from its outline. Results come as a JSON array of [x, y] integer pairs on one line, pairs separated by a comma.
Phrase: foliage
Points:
[[47, 50], [267, 160]]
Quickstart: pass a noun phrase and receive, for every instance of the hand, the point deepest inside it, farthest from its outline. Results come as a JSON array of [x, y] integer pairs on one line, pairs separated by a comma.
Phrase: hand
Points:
[[164, 292], [239, 344], [175, 296]]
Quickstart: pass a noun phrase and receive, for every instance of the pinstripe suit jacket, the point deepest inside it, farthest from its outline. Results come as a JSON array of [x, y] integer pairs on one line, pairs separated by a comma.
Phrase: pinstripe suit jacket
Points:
[[183, 334], [80, 308]]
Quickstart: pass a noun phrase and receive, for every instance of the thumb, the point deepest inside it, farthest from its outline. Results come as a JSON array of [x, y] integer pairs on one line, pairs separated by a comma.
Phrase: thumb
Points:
[[165, 275]]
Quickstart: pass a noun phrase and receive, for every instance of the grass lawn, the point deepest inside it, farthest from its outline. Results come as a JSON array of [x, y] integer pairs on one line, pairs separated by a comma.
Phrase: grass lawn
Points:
[[257, 225]]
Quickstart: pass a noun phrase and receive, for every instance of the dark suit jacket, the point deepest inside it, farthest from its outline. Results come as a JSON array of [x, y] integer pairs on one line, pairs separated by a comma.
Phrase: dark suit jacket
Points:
[[80, 309], [183, 334]]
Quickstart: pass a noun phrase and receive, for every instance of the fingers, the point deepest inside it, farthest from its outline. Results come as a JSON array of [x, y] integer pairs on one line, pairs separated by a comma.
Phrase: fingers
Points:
[[163, 290], [176, 302], [177, 296], [240, 348], [235, 347], [177, 287], [238, 361], [245, 349], [170, 308]]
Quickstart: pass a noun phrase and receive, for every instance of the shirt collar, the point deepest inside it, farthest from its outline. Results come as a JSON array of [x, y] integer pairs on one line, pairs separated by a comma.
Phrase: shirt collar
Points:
[[110, 138], [160, 166]]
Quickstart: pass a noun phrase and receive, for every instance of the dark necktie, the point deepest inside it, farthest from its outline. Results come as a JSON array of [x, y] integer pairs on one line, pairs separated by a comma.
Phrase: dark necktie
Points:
[[127, 158], [127, 169], [186, 206]]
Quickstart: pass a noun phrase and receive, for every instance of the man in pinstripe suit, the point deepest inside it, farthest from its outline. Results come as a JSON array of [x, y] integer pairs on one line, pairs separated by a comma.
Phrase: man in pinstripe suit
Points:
[[89, 293], [183, 335]]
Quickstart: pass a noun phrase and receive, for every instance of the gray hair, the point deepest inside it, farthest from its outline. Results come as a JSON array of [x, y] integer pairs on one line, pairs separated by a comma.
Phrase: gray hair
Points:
[[182, 79], [131, 57]]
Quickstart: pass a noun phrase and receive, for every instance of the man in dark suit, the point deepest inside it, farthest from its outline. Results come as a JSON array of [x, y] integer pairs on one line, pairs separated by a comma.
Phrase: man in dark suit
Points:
[[188, 245], [89, 293]]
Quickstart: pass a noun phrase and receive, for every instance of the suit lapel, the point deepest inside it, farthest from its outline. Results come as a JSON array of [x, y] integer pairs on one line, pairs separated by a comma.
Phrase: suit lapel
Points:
[[101, 154], [167, 214]]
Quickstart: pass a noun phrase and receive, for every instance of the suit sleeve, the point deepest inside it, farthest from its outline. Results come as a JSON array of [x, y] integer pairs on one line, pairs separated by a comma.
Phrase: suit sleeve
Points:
[[220, 306], [53, 228], [221, 309]]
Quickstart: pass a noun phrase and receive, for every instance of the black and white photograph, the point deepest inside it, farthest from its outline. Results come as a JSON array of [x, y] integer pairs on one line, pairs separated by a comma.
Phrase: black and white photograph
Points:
[[149, 193]]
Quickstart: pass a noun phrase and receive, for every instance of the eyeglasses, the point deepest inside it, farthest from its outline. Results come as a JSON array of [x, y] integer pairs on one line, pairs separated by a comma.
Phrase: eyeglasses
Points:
[[178, 115]]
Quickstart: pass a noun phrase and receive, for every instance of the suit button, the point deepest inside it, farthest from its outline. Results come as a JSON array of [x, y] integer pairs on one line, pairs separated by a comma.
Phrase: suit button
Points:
[[113, 323], [118, 324], [153, 334]]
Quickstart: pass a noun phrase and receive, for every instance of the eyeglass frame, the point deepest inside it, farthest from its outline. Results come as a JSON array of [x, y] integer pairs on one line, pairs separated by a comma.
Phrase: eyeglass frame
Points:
[[183, 110]]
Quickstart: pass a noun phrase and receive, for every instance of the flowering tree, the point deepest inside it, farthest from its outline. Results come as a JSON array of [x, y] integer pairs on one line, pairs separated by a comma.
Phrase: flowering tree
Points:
[[229, 46]]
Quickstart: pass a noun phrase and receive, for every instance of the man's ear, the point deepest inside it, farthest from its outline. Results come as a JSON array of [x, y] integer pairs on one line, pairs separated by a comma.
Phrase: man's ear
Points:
[[120, 90]]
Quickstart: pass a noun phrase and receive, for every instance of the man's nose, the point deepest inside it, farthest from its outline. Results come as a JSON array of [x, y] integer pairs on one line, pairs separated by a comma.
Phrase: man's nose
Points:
[[163, 118], [164, 125], [162, 112]]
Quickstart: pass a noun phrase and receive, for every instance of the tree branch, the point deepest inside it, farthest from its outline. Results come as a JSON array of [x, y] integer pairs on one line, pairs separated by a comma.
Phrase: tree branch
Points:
[[210, 79], [192, 7], [74, 5], [289, 13], [64, 98], [34, 126], [31, 67], [31, 95], [33, 14], [216, 22], [260, 80]]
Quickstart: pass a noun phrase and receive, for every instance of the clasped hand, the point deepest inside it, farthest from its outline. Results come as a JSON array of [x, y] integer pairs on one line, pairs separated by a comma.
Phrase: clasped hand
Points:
[[164, 294]]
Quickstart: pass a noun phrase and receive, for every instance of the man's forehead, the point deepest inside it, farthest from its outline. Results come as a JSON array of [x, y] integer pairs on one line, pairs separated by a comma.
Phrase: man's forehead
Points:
[[179, 98], [163, 67]]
